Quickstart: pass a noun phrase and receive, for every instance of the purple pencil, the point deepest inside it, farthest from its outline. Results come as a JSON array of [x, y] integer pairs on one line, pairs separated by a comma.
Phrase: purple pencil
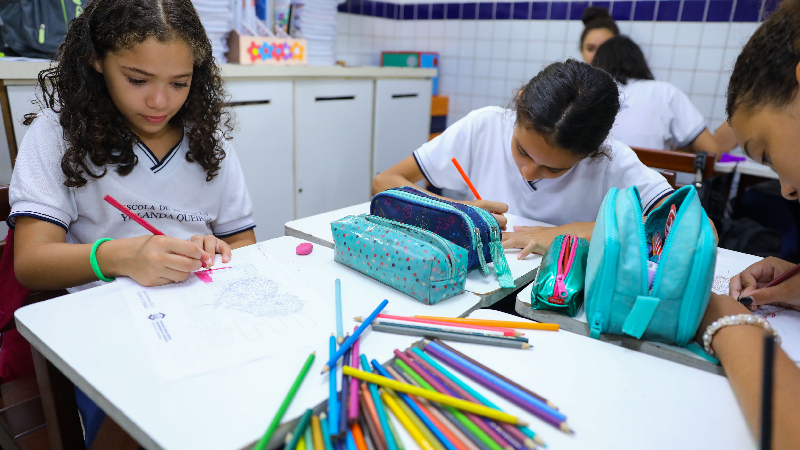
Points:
[[353, 413], [542, 414]]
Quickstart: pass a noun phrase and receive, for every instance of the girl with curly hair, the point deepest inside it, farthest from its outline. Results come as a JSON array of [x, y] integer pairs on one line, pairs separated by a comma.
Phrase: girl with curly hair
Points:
[[132, 109]]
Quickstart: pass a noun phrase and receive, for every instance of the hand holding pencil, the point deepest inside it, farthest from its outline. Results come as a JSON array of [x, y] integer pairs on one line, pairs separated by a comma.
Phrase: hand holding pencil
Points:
[[769, 281]]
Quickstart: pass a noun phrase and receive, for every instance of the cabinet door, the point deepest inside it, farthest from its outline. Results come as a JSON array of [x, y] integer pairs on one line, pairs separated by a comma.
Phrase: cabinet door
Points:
[[20, 99], [333, 133], [263, 142], [402, 120]]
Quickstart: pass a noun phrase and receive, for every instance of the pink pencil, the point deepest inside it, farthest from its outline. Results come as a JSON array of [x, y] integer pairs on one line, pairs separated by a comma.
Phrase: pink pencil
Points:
[[506, 331], [352, 414], [133, 216]]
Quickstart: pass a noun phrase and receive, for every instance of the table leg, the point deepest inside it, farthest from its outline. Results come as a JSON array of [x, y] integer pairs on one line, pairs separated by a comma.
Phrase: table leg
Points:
[[60, 406]]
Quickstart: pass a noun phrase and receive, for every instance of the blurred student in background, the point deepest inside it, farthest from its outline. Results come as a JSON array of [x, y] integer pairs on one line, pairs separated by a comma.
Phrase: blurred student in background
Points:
[[599, 26]]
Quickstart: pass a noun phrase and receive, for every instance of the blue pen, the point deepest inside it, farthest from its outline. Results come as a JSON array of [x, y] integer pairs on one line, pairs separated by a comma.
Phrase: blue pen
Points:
[[352, 339], [333, 401], [424, 418], [376, 399]]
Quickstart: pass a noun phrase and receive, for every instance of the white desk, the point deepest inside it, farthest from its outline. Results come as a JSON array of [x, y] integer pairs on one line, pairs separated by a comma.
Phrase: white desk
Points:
[[317, 229], [615, 398], [747, 167]]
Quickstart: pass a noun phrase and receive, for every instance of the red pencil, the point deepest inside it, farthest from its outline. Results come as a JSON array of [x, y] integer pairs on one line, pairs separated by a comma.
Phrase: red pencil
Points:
[[132, 215], [783, 277], [466, 178]]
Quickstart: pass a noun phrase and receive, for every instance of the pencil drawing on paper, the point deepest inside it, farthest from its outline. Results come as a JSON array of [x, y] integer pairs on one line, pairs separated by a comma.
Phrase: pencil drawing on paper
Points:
[[258, 296]]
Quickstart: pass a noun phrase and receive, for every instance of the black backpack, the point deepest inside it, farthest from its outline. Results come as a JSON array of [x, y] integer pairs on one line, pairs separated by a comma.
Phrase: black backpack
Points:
[[745, 235], [35, 28]]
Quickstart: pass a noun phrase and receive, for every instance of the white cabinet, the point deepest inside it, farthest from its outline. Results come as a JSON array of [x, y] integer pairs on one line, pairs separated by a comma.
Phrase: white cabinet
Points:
[[263, 141], [333, 132], [402, 120], [21, 100]]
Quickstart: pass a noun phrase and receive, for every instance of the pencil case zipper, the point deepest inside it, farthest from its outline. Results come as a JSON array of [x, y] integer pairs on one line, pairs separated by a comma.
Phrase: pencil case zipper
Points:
[[569, 247], [501, 268], [443, 246]]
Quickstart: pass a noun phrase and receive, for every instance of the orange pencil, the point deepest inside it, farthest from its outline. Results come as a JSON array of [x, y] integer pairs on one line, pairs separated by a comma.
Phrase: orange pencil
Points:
[[495, 323], [466, 178], [358, 436]]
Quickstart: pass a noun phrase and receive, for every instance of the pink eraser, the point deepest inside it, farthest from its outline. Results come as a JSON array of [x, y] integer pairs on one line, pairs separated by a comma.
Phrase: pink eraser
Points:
[[304, 248]]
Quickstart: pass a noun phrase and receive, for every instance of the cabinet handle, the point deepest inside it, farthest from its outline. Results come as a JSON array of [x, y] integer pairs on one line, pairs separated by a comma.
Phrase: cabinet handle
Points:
[[330, 99], [404, 95], [247, 103]]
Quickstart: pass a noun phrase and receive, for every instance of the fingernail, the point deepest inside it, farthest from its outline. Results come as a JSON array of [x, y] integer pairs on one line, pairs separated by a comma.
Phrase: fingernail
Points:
[[746, 301]]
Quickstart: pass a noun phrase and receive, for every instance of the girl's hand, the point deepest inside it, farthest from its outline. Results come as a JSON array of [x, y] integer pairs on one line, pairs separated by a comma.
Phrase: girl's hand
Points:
[[757, 276], [496, 208], [151, 260], [212, 245], [530, 239]]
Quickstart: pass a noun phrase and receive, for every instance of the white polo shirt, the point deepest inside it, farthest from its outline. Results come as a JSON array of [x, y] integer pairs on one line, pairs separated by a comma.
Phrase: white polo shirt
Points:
[[481, 142], [656, 115], [172, 194]]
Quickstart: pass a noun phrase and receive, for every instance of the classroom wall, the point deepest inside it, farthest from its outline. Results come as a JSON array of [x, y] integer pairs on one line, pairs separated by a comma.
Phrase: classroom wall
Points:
[[488, 50]]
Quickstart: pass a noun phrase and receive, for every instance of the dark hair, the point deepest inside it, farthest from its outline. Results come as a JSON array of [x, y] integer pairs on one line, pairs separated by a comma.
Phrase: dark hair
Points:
[[764, 73], [595, 17], [93, 127], [573, 103], [622, 59]]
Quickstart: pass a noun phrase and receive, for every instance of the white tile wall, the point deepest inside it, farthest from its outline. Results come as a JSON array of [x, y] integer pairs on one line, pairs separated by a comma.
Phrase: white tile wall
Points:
[[484, 62]]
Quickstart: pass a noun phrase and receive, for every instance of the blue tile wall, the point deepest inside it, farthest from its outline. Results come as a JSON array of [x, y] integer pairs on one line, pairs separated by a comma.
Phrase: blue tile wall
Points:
[[642, 10]]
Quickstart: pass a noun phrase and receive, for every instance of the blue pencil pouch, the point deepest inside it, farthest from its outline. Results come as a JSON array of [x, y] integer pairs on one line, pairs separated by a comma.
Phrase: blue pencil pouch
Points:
[[412, 260], [472, 228]]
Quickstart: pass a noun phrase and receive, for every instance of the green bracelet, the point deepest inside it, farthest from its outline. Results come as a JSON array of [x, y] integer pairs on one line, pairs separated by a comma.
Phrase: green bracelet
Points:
[[93, 261]]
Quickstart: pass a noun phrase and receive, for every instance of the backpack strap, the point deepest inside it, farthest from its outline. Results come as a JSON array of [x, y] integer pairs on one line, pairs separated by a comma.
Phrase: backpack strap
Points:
[[640, 316]]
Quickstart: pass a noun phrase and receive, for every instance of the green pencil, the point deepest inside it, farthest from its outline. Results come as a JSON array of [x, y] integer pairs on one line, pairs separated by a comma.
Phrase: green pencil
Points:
[[262, 443], [309, 438], [326, 437], [299, 432]]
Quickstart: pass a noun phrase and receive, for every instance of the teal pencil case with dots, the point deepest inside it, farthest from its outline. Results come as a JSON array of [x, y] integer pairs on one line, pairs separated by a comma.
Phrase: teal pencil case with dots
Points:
[[414, 261]]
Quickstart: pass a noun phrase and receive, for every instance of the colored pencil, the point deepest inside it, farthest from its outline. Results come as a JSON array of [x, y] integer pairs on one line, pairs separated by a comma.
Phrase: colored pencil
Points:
[[262, 443], [395, 434], [466, 179], [405, 363], [495, 323], [434, 396], [308, 437], [447, 329], [783, 277], [516, 435], [350, 441], [507, 380], [460, 438], [352, 415], [415, 433], [370, 418], [766, 392], [339, 326], [502, 330], [316, 431], [344, 398], [391, 441], [132, 215], [299, 430], [443, 429], [470, 425], [333, 399], [349, 341], [459, 337], [533, 438], [507, 391], [301, 443], [358, 437], [326, 437]]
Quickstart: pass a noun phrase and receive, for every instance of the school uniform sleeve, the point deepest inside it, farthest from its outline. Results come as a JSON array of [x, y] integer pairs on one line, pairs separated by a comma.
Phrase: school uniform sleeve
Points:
[[37, 183], [435, 157], [687, 122], [625, 170], [236, 208]]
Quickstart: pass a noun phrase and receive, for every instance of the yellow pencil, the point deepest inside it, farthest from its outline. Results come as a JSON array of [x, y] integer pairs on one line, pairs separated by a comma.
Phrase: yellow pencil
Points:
[[416, 421], [496, 323], [316, 431], [406, 421], [301, 444], [463, 405]]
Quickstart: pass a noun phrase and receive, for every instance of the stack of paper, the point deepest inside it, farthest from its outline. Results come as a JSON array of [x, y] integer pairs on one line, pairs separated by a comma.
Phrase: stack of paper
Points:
[[318, 26], [217, 18]]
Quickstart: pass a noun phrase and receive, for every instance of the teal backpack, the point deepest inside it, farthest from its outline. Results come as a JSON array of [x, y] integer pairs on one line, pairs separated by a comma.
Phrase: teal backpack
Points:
[[620, 298]]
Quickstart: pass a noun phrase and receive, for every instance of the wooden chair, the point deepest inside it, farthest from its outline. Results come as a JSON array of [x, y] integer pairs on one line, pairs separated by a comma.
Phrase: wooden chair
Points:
[[701, 164]]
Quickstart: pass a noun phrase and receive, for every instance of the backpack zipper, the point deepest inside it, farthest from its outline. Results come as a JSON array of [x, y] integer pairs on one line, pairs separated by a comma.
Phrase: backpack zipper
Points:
[[501, 268], [610, 258], [474, 232], [641, 236], [449, 253]]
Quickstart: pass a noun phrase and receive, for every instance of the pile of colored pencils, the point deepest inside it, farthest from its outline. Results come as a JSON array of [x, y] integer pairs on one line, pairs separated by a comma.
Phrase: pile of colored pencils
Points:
[[474, 331]]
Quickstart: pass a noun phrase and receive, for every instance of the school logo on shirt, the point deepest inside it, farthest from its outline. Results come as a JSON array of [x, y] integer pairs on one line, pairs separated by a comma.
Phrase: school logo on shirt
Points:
[[148, 212]]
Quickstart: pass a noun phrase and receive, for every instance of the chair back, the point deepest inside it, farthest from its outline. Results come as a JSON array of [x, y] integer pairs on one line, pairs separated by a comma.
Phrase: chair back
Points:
[[700, 164], [5, 211]]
